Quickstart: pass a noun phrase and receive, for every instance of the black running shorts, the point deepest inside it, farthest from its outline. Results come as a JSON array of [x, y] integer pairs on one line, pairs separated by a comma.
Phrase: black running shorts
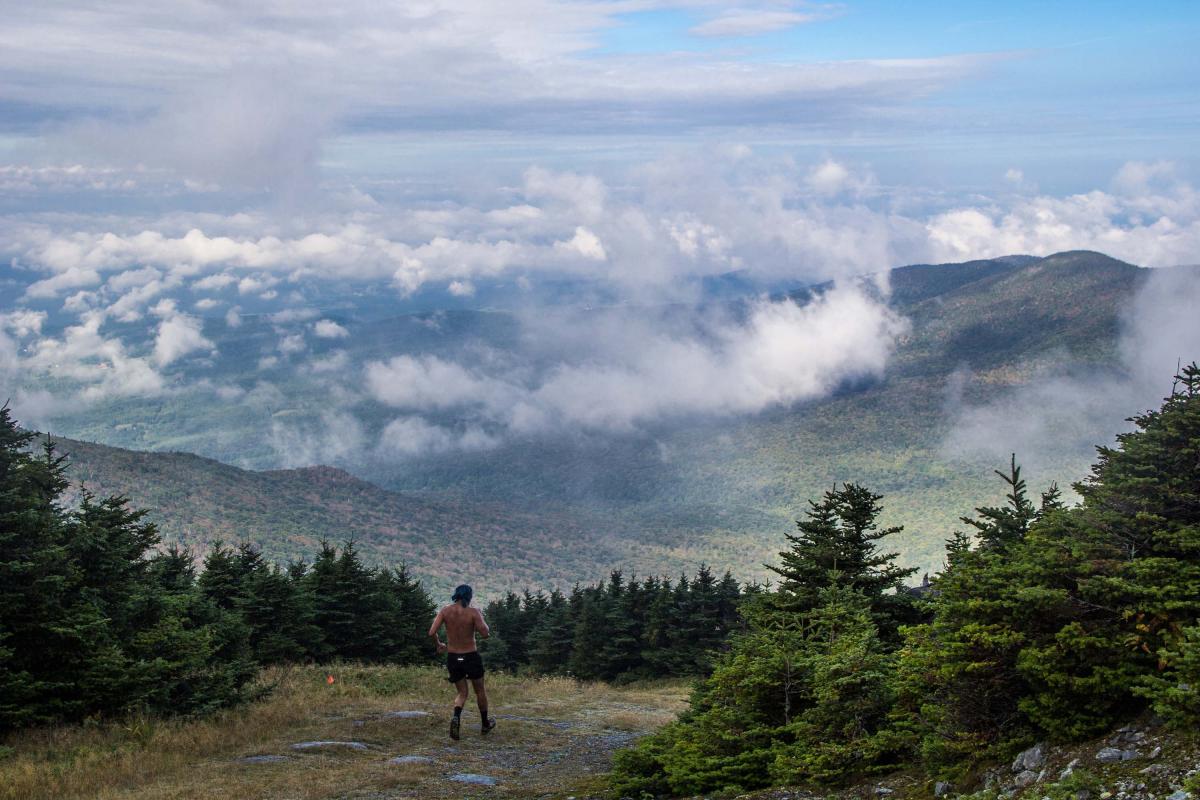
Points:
[[464, 665]]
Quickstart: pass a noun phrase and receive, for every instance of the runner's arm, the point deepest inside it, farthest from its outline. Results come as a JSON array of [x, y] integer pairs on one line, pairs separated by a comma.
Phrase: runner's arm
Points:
[[433, 632], [481, 626]]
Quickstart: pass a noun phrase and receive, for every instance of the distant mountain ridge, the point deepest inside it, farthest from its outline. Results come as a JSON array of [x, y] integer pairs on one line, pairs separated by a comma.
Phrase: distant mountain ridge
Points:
[[198, 501], [724, 490]]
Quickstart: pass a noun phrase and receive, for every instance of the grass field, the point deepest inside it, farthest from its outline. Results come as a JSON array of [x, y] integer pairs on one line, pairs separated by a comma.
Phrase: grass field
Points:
[[554, 739]]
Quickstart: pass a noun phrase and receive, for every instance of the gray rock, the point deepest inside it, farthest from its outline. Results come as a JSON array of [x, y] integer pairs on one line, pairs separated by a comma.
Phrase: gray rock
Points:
[[1032, 758], [410, 760], [1026, 778], [406, 714], [470, 777], [1156, 752], [1068, 770], [1156, 770], [942, 788], [262, 759], [1111, 755], [883, 791], [1083, 794], [1181, 794], [324, 745]]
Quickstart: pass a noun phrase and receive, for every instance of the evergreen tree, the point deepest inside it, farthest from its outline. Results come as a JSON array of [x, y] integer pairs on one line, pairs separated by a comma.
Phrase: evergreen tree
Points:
[[44, 626], [551, 639], [621, 617], [1132, 579], [799, 697], [838, 539]]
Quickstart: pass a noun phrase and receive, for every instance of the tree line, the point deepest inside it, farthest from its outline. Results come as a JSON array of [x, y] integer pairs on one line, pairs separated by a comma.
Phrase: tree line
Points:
[[97, 621], [617, 630], [1046, 623]]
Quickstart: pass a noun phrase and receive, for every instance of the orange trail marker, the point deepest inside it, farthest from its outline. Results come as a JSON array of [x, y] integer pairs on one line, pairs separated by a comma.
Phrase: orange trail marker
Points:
[[329, 679]]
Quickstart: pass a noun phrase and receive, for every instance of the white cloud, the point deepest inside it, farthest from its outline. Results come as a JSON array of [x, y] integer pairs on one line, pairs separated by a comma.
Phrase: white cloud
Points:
[[133, 278], [410, 436], [675, 220], [23, 322], [328, 329], [101, 365], [1061, 416], [336, 361], [640, 372], [214, 282], [69, 278], [193, 101], [782, 354], [233, 317], [584, 243], [330, 437], [256, 283], [178, 335], [428, 382], [751, 22], [831, 178], [292, 343], [1151, 229], [293, 315], [461, 288]]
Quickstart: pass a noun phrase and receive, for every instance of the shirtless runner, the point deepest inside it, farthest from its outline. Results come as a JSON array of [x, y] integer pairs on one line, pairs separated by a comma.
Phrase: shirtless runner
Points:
[[462, 622]]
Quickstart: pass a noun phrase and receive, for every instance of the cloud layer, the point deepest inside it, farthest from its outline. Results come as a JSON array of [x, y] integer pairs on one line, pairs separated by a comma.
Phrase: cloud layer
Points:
[[639, 372]]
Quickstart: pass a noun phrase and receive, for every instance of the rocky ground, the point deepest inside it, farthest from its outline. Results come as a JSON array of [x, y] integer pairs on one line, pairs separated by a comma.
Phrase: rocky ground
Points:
[[1140, 761]]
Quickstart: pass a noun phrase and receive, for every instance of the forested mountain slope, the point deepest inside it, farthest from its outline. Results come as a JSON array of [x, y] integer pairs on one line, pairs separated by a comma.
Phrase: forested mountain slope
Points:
[[197, 502]]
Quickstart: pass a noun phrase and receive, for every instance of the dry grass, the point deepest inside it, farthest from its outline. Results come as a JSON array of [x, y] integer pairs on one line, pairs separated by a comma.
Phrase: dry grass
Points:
[[555, 736]]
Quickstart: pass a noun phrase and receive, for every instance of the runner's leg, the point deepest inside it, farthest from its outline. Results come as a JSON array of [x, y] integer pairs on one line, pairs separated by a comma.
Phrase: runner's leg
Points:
[[459, 702], [482, 699]]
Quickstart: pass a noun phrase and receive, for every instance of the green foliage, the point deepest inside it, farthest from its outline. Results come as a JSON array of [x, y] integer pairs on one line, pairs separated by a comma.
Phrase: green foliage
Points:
[[1174, 690], [836, 546], [88, 626], [1050, 623], [1070, 787], [617, 630], [96, 621], [804, 693]]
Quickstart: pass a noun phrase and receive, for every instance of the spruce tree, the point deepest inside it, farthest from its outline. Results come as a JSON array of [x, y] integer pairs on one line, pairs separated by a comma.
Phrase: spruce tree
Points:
[[839, 537]]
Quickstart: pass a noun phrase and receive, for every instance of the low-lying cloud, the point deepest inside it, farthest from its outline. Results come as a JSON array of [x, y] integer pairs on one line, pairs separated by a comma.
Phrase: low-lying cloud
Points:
[[780, 353], [1059, 418]]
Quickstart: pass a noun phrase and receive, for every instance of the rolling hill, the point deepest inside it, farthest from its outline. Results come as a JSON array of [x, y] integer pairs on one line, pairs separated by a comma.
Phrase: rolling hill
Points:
[[198, 501]]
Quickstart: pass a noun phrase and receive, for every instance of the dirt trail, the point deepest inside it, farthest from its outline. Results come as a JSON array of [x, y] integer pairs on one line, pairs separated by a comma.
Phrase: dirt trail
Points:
[[525, 756]]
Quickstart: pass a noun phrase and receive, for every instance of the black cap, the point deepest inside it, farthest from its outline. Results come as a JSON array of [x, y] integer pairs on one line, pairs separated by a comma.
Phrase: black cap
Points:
[[462, 595]]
